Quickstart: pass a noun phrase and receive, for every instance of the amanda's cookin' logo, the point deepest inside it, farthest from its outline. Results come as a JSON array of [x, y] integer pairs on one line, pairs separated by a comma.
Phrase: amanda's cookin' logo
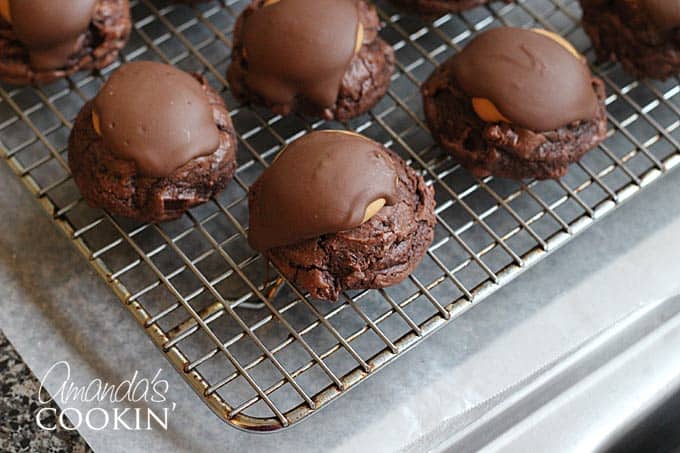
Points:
[[150, 407]]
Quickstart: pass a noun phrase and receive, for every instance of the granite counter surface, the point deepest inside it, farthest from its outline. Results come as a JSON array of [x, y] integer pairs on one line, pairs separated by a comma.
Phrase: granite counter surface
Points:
[[18, 430]]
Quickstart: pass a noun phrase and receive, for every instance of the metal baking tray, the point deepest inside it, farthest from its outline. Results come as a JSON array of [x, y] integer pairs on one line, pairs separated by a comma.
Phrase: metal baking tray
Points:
[[257, 351]]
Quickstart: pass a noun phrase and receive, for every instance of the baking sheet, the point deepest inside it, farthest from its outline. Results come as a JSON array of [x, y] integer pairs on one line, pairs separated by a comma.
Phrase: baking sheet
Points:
[[639, 111]]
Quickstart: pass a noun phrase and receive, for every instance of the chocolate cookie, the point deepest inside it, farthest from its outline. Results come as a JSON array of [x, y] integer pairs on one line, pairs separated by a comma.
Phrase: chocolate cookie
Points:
[[430, 8], [644, 35], [320, 57], [516, 103], [339, 211], [44, 40], [153, 143]]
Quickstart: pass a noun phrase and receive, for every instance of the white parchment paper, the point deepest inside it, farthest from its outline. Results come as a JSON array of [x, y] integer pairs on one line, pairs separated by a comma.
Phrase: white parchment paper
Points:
[[55, 308]]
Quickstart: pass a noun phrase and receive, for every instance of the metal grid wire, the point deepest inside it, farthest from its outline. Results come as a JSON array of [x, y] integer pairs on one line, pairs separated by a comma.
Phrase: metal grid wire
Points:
[[202, 294]]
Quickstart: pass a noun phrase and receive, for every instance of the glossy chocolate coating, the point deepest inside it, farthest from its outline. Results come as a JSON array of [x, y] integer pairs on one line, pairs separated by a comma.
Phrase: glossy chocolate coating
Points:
[[157, 116], [300, 48], [531, 79], [665, 13], [51, 30], [322, 183]]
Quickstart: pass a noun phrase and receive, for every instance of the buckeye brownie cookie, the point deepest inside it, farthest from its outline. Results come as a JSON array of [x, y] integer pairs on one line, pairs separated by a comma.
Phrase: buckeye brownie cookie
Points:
[[319, 57], [516, 103], [44, 40], [339, 211], [644, 35], [153, 143], [429, 8]]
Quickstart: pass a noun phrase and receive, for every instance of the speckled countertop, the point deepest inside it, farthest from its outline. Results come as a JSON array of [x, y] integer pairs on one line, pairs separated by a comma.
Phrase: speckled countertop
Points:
[[18, 404]]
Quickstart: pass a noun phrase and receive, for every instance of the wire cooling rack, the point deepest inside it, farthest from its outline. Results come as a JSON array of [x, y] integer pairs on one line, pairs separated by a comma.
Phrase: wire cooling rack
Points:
[[203, 296]]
